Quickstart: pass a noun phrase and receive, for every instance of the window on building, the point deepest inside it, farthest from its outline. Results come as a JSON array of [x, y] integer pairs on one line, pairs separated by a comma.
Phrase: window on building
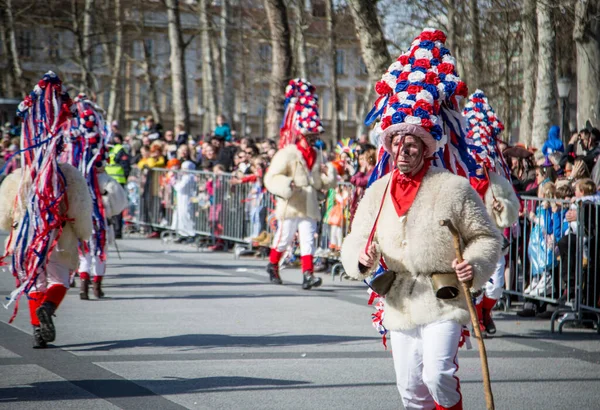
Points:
[[362, 67], [264, 54], [53, 46], [350, 108], [324, 105], [97, 57], [24, 41], [150, 46], [318, 8], [340, 59], [143, 97], [314, 62]]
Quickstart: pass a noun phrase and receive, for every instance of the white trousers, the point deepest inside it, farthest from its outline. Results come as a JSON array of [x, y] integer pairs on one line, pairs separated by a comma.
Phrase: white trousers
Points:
[[425, 362], [91, 264], [55, 274], [284, 236], [336, 235], [494, 289]]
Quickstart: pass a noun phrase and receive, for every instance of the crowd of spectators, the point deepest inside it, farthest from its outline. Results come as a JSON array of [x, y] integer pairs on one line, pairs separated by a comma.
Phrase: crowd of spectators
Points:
[[566, 180]]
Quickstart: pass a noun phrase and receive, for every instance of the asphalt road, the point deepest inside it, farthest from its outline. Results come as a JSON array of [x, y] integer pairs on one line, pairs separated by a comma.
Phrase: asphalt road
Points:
[[184, 329]]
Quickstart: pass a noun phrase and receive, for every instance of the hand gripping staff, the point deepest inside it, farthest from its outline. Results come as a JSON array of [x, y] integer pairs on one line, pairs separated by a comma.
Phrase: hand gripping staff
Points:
[[485, 370]]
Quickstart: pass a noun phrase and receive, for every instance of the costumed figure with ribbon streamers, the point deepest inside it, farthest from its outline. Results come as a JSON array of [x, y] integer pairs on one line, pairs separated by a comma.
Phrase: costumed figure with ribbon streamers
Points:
[[46, 206], [492, 183], [294, 177], [397, 223], [87, 152]]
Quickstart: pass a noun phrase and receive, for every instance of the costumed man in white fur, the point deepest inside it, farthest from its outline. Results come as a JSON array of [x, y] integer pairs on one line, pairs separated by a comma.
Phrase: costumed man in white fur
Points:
[[47, 208], [397, 223], [492, 183], [87, 152], [294, 177]]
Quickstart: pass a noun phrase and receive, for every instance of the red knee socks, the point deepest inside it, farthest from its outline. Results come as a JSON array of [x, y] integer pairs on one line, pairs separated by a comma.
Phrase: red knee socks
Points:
[[307, 263], [457, 406], [84, 276], [275, 256], [55, 294], [35, 301], [97, 279]]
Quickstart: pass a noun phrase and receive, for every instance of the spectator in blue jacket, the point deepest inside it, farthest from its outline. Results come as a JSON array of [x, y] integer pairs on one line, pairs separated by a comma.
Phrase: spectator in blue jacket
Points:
[[223, 129], [553, 143]]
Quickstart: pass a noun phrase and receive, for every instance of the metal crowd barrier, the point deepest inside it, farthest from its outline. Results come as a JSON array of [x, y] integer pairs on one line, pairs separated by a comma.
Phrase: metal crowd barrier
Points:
[[551, 260]]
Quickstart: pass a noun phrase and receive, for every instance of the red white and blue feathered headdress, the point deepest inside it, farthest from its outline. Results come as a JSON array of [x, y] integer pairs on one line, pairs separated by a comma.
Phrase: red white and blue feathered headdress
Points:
[[419, 95], [301, 112], [484, 128], [46, 113]]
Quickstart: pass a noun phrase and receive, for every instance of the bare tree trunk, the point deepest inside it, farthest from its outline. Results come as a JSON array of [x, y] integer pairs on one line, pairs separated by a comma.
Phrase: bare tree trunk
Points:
[[209, 97], [218, 71], [281, 68], [12, 53], [177, 59], [300, 44], [6, 79], [586, 34], [372, 44], [117, 63], [545, 110], [476, 58], [333, 80], [151, 82], [86, 61], [227, 62], [528, 22]]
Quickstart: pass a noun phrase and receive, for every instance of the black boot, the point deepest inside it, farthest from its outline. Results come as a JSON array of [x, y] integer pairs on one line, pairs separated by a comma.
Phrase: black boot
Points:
[[44, 314], [98, 290], [84, 289], [310, 281], [38, 341], [273, 271]]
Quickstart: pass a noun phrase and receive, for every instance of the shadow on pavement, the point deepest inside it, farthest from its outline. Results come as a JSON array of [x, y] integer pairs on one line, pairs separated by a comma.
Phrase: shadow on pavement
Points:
[[107, 389], [180, 284], [213, 296], [209, 341]]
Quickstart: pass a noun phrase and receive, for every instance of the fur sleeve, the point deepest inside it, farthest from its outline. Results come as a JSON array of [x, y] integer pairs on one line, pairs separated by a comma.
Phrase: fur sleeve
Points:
[[481, 239], [80, 202], [355, 242], [329, 181], [8, 193], [114, 196], [505, 194], [277, 180]]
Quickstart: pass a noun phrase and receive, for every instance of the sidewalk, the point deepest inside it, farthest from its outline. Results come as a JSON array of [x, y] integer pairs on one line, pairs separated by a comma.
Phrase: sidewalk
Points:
[[185, 329]]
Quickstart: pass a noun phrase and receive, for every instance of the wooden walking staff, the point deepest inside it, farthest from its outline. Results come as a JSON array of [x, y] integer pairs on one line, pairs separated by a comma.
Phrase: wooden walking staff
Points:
[[485, 370]]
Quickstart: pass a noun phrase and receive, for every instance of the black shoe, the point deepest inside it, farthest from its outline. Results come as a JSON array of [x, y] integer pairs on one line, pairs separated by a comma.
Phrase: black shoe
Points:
[[84, 289], [38, 342], [273, 271], [310, 281], [44, 314], [98, 293], [490, 326]]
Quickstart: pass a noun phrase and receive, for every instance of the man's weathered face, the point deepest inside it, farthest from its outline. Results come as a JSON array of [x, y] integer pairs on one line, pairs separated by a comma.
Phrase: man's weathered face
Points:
[[409, 151]]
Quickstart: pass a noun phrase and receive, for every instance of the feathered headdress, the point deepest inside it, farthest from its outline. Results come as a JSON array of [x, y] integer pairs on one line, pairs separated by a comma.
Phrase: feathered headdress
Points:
[[45, 112], [484, 127], [301, 112], [348, 146]]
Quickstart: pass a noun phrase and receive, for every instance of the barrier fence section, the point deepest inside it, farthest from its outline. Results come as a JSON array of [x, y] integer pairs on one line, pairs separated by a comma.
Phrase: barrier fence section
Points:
[[552, 255], [551, 252]]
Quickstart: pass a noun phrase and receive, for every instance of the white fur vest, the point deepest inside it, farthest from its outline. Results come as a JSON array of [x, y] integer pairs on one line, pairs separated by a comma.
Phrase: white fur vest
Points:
[[503, 191], [114, 197], [415, 246], [288, 165], [79, 211]]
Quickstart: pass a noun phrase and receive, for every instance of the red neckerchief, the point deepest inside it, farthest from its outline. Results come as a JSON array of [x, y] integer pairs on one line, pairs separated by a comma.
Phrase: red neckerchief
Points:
[[308, 153], [480, 185], [404, 188]]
